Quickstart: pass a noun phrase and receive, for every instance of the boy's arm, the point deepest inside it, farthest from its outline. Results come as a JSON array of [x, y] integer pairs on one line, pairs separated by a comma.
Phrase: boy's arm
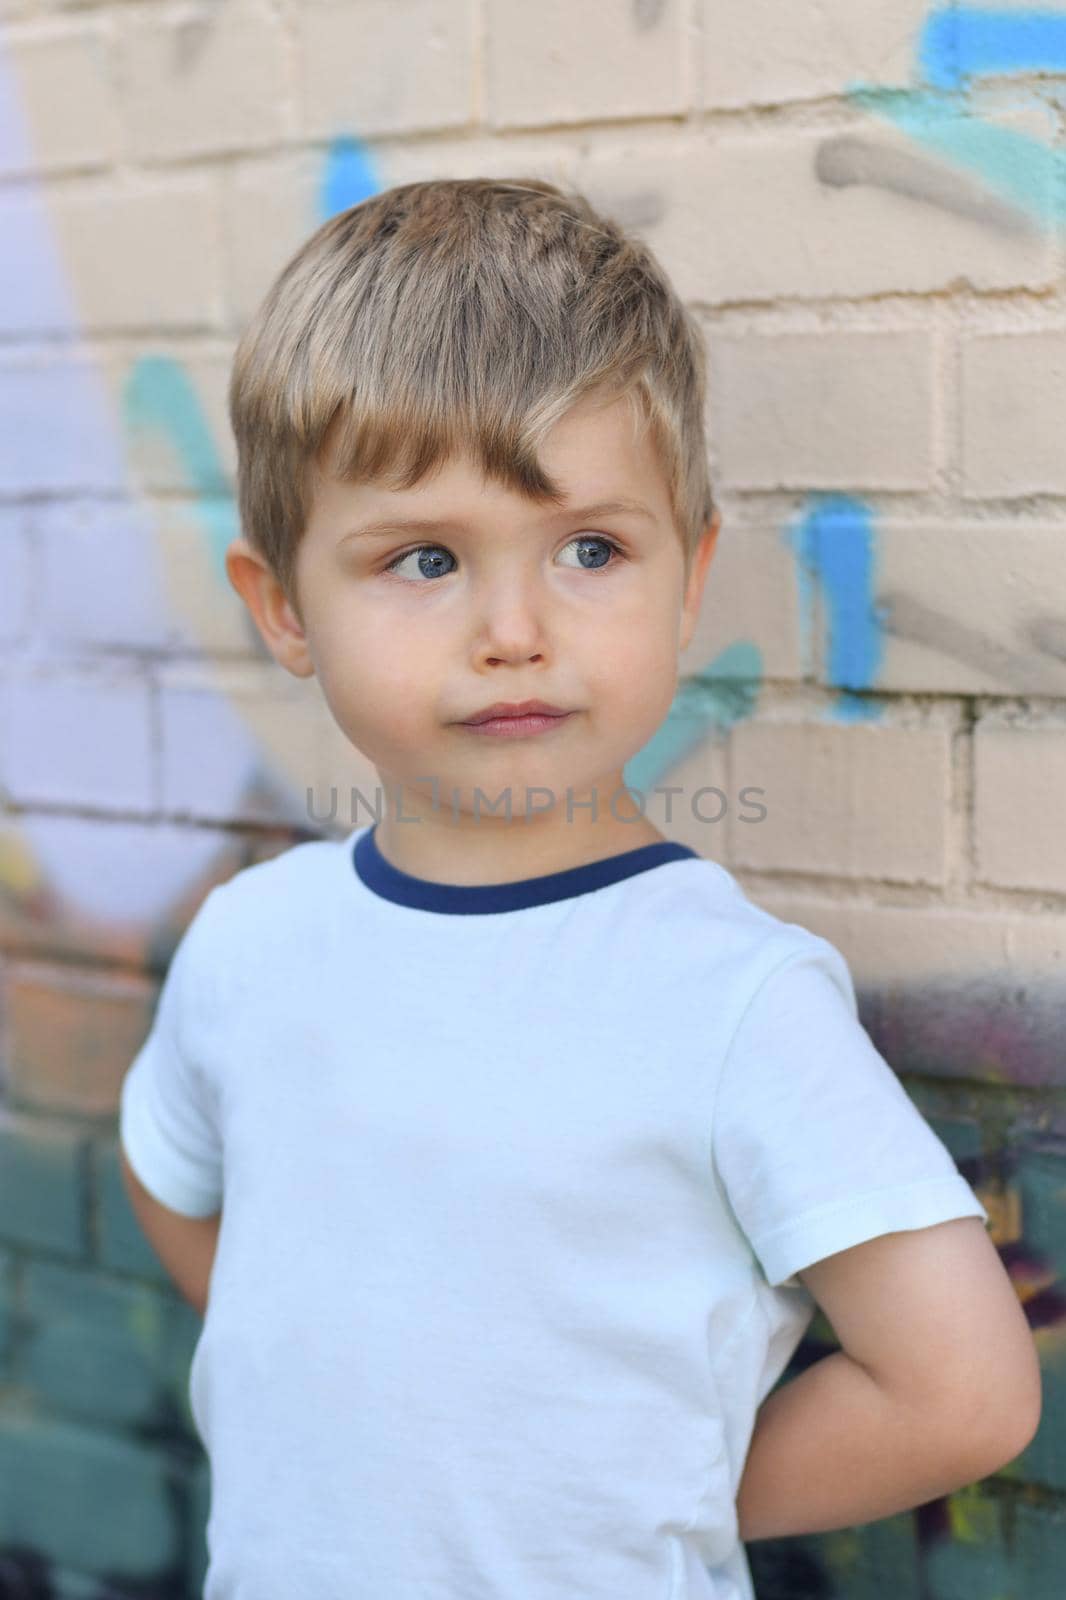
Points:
[[185, 1245], [937, 1384]]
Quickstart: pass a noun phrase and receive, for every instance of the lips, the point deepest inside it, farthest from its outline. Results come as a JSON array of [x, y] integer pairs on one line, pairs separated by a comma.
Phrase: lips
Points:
[[521, 708]]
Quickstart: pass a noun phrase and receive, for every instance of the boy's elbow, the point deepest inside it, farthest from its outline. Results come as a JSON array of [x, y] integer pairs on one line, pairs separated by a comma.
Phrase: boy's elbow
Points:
[[1011, 1444], [1026, 1420], [1023, 1421], [1004, 1424]]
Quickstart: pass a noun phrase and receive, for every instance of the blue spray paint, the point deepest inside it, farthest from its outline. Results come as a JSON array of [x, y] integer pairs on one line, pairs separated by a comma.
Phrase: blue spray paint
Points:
[[348, 178], [970, 41], [159, 399], [834, 545], [956, 44], [1014, 165]]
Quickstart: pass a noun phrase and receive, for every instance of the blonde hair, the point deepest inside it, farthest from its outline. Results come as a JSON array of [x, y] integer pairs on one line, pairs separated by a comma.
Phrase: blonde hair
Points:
[[458, 316]]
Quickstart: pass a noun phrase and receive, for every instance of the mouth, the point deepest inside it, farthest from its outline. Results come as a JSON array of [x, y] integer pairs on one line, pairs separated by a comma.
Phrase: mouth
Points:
[[504, 710], [519, 727]]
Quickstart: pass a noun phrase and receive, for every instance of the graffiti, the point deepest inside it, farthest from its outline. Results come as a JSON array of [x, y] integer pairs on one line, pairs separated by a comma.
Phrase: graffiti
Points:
[[348, 177], [964, 42], [834, 546], [191, 35], [1015, 166], [1018, 172], [648, 13], [906, 617], [160, 400], [851, 159]]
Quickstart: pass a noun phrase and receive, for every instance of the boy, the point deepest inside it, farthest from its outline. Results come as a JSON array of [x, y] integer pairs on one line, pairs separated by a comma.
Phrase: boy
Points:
[[529, 1142]]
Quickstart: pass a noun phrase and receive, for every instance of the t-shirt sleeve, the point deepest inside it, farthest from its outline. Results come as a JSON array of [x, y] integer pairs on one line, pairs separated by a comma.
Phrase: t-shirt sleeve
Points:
[[815, 1141], [168, 1124]]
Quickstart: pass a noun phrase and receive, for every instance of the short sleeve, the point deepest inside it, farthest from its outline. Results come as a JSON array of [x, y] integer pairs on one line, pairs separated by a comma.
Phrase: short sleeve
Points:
[[815, 1141], [168, 1125]]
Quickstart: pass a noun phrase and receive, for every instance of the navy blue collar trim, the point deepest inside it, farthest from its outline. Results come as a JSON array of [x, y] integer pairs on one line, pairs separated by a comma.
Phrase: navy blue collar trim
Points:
[[422, 894]]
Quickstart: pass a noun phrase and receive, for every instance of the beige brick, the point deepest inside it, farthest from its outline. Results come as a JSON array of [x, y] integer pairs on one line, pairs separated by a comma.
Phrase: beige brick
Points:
[[716, 208], [39, 8], [822, 410], [910, 944], [750, 597], [759, 52], [385, 66], [64, 109], [557, 62], [537, 152], [1020, 801], [71, 1037], [269, 208], [198, 84], [852, 799], [1013, 402], [971, 608], [142, 259]]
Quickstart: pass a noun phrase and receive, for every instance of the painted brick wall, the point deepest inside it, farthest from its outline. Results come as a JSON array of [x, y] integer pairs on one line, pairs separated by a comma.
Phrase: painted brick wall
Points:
[[863, 202]]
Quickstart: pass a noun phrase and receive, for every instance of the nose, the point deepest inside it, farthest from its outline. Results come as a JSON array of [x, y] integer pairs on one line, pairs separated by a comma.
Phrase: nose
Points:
[[511, 620]]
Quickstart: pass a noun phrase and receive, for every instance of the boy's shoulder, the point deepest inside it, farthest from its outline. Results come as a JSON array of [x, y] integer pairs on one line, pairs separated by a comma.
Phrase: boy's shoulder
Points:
[[264, 901], [697, 910], [705, 890], [300, 868]]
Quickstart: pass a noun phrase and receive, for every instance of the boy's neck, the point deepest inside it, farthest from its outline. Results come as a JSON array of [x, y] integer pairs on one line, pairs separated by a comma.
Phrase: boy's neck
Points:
[[472, 849]]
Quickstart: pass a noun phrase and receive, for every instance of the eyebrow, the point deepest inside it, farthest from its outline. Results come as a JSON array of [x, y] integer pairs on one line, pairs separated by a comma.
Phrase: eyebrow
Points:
[[387, 526]]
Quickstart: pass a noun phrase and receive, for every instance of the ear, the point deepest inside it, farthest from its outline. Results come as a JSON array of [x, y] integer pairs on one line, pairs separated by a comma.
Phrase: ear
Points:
[[697, 578], [275, 617]]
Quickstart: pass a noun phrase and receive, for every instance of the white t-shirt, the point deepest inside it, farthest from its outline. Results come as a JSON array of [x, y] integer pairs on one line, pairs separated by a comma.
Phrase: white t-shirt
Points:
[[516, 1181]]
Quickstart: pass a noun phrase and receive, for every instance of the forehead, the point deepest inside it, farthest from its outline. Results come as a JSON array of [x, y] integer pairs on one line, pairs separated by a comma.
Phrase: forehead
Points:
[[596, 454]]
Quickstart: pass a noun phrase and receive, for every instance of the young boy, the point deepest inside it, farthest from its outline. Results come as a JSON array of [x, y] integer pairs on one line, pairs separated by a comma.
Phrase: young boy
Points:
[[527, 1142]]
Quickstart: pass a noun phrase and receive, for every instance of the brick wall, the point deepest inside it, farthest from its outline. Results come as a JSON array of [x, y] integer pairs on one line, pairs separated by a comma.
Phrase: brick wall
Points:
[[863, 202]]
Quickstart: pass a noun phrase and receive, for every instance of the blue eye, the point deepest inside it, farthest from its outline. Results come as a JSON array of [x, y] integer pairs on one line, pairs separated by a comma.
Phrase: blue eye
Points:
[[430, 568], [587, 539], [431, 555]]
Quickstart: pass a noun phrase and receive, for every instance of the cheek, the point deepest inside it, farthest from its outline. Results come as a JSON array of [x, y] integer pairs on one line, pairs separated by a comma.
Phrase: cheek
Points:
[[633, 677], [353, 669], [631, 652], [357, 648]]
